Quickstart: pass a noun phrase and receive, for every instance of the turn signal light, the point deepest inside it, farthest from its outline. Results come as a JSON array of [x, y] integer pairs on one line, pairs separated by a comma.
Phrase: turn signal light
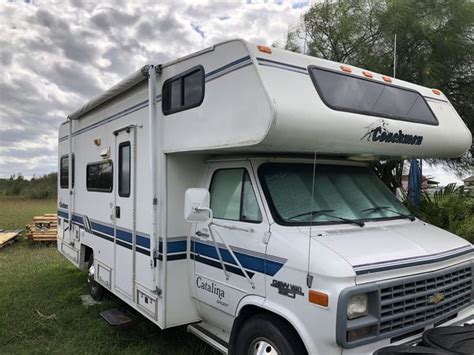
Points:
[[436, 92], [387, 79], [359, 333], [346, 68], [319, 298], [265, 49]]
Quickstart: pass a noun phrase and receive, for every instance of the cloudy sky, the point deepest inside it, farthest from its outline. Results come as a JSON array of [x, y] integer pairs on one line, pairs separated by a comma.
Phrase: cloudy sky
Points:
[[56, 55]]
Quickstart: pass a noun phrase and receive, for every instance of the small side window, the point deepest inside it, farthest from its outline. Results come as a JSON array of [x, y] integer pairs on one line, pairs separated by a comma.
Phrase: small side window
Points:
[[100, 176], [64, 171], [124, 169], [233, 197], [183, 91]]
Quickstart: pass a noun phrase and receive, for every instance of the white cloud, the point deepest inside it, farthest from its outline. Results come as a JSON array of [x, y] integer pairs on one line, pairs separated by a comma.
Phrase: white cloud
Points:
[[54, 56]]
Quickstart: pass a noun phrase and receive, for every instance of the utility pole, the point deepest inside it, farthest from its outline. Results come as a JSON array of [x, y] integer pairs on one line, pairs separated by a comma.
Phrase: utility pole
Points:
[[394, 55]]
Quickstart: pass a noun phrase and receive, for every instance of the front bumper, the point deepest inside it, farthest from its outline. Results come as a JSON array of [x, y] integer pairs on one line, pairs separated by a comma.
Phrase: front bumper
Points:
[[458, 333]]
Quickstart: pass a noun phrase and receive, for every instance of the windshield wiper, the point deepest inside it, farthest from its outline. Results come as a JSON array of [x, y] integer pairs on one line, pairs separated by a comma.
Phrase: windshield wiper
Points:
[[317, 213], [314, 213], [387, 208], [353, 221]]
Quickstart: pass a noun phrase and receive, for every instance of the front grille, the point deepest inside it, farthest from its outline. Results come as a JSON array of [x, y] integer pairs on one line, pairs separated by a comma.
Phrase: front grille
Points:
[[408, 304], [399, 307]]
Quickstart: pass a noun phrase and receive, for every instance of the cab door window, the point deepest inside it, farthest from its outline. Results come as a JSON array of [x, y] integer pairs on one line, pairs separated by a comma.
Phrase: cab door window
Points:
[[233, 197]]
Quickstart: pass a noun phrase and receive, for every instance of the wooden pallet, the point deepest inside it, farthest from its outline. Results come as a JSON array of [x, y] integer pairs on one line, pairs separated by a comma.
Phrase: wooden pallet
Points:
[[43, 228], [8, 237]]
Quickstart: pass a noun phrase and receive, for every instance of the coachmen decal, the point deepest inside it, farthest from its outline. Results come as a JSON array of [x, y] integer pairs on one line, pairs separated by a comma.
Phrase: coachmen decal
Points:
[[379, 132]]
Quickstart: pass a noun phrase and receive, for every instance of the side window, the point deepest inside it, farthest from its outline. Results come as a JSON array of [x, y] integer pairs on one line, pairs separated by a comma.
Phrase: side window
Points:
[[100, 176], [348, 93], [250, 210], [233, 197], [64, 171], [183, 91], [124, 156]]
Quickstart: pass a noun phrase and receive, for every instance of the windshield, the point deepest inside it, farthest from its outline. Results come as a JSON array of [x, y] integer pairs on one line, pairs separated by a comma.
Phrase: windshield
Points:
[[353, 193]]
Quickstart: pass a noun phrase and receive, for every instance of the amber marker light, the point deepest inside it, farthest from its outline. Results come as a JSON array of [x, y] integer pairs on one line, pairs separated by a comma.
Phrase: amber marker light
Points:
[[387, 79], [265, 49], [319, 298], [368, 74], [436, 92], [346, 69]]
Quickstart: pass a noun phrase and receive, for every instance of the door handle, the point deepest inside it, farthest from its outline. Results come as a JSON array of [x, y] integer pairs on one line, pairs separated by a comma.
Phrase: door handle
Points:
[[201, 234], [117, 211]]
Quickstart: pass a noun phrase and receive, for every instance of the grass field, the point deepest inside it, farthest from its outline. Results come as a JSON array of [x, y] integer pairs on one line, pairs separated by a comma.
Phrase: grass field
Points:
[[41, 311], [16, 212]]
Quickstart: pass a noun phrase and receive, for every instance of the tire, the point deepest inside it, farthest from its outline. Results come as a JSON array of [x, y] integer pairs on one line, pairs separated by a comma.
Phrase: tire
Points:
[[265, 334], [95, 290]]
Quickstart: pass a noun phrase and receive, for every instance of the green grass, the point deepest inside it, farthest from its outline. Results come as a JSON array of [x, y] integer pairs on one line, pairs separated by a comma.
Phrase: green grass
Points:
[[41, 311], [16, 212]]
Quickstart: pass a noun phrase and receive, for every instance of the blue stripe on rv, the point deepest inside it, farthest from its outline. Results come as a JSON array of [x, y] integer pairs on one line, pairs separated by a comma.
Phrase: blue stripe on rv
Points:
[[250, 262], [174, 246], [178, 249]]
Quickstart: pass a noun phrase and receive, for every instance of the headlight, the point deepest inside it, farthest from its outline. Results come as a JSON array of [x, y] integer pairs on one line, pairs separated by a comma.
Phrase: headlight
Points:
[[358, 306]]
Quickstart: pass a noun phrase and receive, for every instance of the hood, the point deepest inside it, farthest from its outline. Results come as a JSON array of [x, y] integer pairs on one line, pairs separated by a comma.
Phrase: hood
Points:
[[376, 249]]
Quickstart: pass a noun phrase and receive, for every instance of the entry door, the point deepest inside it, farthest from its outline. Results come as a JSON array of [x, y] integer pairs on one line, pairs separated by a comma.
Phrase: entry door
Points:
[[124, 221], [239, 224]]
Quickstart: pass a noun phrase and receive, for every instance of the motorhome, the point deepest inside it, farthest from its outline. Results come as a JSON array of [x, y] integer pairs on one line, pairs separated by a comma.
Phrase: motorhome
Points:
[[233, 191]]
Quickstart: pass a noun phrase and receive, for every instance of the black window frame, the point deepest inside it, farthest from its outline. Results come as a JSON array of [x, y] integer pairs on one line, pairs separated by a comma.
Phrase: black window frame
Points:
[[166, 92], [244, 171], [368, 113], [65, 156], [112, 180], [119, 172]]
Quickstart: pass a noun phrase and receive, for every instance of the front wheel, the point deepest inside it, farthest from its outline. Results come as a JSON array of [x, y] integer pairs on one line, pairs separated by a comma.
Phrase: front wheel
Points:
[[96, 291], [267, 335]]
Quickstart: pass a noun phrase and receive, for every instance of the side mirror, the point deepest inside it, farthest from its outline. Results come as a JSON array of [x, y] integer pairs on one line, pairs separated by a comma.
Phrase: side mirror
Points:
[[196, 205]]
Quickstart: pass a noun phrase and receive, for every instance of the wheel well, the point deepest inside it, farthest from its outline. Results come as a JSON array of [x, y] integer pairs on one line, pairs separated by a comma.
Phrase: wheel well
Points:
[[249, 311], [87, 254]]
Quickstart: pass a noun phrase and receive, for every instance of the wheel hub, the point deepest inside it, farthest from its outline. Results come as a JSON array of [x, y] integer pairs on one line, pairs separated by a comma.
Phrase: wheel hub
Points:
[[263, 347]]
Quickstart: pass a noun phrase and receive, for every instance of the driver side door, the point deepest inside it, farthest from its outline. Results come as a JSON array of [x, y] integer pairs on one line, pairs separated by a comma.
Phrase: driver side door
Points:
[[229, 253]]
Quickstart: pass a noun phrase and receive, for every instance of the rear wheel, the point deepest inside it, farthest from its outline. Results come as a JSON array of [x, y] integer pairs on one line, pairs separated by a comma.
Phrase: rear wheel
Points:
[[267, 335], [96, 291]]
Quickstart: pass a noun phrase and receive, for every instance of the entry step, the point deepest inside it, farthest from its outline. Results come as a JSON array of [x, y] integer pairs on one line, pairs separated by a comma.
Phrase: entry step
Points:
[[116, 317]]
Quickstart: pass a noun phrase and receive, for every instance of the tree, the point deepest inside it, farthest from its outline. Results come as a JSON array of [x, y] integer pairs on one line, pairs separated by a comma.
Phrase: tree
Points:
[[435, 42]]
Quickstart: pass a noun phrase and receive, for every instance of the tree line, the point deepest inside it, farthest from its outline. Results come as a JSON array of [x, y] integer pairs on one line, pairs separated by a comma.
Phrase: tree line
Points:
[[37, 187]]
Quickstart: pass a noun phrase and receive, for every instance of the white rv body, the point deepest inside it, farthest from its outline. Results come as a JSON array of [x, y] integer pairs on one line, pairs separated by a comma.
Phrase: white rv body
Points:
[[258, 108]]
